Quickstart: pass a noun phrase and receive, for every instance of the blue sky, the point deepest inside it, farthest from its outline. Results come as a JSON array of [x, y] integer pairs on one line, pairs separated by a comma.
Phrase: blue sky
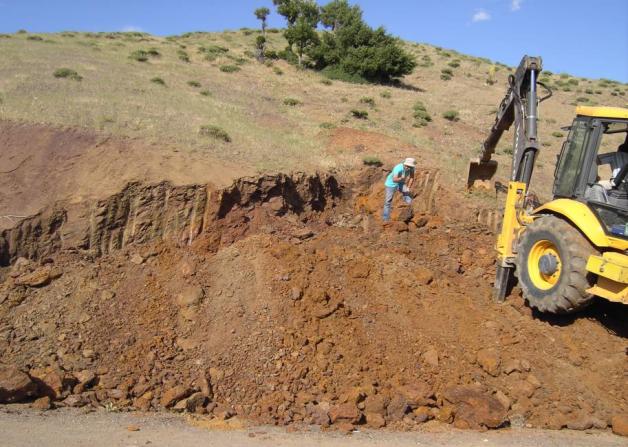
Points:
[[582, 37]]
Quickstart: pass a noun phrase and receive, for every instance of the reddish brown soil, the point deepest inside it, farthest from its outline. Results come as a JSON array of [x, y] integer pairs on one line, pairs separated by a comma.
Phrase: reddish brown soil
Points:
[[345, 140], [315, 316]]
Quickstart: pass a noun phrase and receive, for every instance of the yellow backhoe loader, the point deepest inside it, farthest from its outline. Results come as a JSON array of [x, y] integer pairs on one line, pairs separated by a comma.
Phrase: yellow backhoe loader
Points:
[[574, 247]]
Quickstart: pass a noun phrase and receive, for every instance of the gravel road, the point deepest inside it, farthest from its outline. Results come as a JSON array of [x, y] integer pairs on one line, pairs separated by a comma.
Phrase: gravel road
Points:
[[20, 427]]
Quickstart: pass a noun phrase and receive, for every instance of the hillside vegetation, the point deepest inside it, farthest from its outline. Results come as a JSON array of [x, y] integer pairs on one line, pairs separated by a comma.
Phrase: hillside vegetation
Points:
[[207, 94]]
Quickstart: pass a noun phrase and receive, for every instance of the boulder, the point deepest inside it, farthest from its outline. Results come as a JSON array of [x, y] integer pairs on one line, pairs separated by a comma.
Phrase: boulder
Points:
[[475, 408], [43, 403], [489, 360], [50, 381], [376, 404], [416, 394], [619, 423], [173, 395], [375, 420], [317, 414], [40, 277], [348, 413], [397, 408], [15, 385], [422, 414]]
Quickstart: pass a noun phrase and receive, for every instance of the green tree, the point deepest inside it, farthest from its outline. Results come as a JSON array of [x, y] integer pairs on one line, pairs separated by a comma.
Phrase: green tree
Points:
[[262, 14], [338, 13], [353, 47], [302, 17], [260, 48], [303, 36]]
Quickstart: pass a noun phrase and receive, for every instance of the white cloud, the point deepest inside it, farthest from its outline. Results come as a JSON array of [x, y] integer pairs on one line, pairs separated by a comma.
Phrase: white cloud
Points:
[[481, 16], [131, 28], [515, 5]]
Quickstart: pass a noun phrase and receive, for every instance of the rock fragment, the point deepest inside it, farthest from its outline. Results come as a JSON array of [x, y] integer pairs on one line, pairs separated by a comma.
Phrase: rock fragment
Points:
[[489, 360], [474, 408], [619, 424], [15, 385]]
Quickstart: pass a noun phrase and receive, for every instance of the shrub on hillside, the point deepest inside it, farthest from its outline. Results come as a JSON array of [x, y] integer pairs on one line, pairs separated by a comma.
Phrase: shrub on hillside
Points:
[[229, 68], [278, 71], [205, 93], [158, 80], [370, 160], [326, 81], [291, 102], [211, 52], [421, 116], [557, 134], [139, 56], [386, 94], [426, 61], [451, 115], [153, 52], [446, 74], [214, 132], [37, 38], [367, 100], [454, 64], [327, 125], [359, 114], [183, 56], [67, 73], [194, 84]]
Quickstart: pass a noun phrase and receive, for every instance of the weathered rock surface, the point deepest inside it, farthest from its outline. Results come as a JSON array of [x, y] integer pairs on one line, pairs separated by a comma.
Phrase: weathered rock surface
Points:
[[474, 408], [15, 385]]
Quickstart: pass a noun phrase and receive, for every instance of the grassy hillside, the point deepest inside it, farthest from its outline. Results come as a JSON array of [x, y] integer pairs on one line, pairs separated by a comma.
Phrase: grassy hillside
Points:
[[273, 116]]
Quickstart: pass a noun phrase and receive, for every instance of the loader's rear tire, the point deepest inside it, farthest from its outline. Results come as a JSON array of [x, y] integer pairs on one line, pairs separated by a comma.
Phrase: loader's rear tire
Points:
[[551, 263]]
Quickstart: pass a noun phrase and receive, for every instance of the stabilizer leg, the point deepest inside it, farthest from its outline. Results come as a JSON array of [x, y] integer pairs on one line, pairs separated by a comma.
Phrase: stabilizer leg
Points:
[[502, 280]]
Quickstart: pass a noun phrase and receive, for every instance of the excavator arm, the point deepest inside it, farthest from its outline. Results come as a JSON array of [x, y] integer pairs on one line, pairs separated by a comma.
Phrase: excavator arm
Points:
[[519, 107]]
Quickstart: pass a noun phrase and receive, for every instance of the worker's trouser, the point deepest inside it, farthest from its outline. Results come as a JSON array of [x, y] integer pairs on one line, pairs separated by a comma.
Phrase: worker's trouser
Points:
[[390, 193]]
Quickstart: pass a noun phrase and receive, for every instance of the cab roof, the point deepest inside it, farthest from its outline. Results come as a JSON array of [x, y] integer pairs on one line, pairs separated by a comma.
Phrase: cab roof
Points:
[[602, 112]]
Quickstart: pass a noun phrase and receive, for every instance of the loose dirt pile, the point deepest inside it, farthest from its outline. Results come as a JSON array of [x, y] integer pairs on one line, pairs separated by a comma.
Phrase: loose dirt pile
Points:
[[293, 304]]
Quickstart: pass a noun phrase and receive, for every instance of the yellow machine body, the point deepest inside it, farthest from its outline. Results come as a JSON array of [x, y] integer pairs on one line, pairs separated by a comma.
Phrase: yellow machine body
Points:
[[610, 267]]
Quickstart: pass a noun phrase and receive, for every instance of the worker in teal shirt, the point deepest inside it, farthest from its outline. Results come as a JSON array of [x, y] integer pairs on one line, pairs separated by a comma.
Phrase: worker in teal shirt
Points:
[[400, 179]]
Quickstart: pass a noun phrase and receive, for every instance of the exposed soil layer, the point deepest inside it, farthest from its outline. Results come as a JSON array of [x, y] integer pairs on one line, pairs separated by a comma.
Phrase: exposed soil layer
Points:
[[42, 164], [283, 299]]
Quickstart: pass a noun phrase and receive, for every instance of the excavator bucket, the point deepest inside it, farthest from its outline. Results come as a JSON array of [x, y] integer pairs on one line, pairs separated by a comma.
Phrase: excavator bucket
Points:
[[481, 173]]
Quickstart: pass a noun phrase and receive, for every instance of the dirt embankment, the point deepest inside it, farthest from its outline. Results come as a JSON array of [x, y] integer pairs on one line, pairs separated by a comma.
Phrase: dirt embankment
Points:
[[42, 164], [283, 299]]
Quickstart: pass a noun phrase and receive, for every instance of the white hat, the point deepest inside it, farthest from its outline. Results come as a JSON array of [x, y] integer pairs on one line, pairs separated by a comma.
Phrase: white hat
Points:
[[411, 162]]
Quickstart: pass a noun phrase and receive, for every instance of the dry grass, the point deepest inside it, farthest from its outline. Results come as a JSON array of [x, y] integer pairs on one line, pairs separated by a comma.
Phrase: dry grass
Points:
[[248, 104]]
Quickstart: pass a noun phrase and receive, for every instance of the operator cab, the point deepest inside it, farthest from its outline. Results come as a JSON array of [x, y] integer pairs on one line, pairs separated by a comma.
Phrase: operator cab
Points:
[[598, 139]]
